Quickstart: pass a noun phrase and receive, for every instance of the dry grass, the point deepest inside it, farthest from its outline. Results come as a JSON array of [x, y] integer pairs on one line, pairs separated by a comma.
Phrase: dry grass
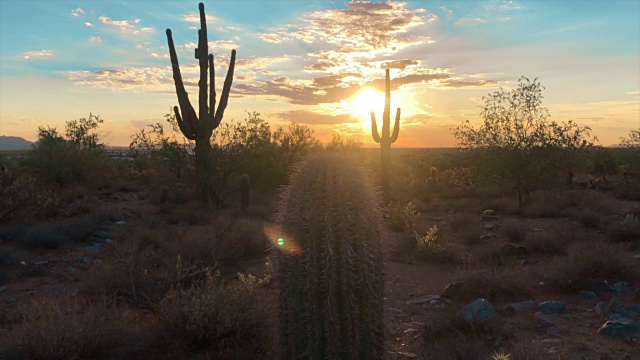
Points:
[[232, 320], [71, 329], [514, 231], [554, 241], [593, 261]]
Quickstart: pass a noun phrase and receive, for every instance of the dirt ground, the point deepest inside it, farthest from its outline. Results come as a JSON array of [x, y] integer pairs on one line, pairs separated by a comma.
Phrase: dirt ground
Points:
[[61, 273]]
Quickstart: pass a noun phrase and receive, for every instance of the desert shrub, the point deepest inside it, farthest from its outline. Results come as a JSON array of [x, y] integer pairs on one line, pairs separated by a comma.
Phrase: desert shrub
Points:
[[628, 230], [54, 235], [589, 218], [430, 243], [230, 317], [550, 241], [403, 217], [466, 227], [514, 231], [70, 329], [78, 158], [594, 261], [22, 196]]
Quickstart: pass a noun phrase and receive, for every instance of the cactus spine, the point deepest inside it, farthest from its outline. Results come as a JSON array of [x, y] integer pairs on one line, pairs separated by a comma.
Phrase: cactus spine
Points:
[[245, 187], [200, 128], [331, 285], [385, 139]]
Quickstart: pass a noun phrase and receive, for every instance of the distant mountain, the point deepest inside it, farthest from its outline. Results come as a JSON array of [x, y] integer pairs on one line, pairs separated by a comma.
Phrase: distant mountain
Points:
[[14, 143]]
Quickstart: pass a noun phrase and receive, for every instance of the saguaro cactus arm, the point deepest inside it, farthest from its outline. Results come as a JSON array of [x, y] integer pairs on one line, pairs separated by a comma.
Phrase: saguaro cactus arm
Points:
[[396, 128], [374, 128], [186, 122], [224, 98]]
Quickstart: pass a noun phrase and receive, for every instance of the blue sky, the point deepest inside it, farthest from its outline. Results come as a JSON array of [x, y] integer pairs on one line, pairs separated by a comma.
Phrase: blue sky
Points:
[[317, 62]]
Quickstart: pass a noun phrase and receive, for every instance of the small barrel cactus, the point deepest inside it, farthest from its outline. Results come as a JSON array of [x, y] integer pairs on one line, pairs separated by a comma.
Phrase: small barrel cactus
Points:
[[330, 270], [245, 187]]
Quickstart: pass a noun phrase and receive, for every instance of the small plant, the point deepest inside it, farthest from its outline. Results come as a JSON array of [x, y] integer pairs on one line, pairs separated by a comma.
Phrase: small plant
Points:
[[501, 356], [429, 243], [252, 282], [410, 214]]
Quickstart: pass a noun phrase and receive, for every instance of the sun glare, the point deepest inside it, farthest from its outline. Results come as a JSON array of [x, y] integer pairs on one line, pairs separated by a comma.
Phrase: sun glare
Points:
[[361, 104]]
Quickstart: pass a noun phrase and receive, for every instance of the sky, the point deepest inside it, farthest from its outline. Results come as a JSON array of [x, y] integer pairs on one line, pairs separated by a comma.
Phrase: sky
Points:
[[320, 63]]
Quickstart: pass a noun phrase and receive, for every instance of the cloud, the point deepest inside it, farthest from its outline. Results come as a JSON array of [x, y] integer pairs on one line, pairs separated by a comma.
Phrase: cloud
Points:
[[365, 28], [314, 118], [37, 54], [471, 21], [88, 24], [95, 39], [126, 26], [77, 12], [449, 12], [195, 17]]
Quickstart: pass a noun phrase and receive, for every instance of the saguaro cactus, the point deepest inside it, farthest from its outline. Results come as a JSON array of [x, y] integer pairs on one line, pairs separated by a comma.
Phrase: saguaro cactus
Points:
[[385, 139], [330, 271], [200, 128]]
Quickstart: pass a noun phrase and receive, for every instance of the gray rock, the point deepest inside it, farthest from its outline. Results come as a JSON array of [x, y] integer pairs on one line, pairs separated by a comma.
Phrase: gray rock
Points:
[[523, 305], [616, 317], [553, 331], [542, 321], [84, 260], [424, 299], [479, 312], [588, 295], [621, 287], [393, 312], [3, 288], [620, 328], [601, 308], [577, 355], [94, 247], [552, 307], [121, 223], [41, 262]]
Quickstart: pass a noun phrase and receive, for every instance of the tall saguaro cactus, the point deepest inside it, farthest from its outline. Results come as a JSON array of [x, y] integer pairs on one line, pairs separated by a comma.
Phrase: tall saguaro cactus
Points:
[[386, 139], [199, 127]]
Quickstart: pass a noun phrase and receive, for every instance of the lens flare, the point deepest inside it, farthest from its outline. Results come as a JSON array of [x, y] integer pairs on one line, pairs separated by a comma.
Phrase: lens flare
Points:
[[280, 240]]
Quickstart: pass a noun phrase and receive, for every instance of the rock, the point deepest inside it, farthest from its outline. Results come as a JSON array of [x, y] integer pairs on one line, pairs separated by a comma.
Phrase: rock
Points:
[[631, 310], [94, 247], [553, 331], [3, 288], [489, 215], [621, 287], [488, 236], [588, 295], [424, 299], [523, 305], [542, 321], [11, 301], [620, 328], [84, 260], [577, 355], [23, 263], [41, 262], [479, 312], [488, 226], [552, 307], [616, 317], [393, 312], [601, 308], [121, 223]]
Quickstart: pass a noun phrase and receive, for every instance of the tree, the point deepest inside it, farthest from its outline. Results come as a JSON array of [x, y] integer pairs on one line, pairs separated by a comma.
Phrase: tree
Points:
[[522, 146], [82, 132], [633, 140]]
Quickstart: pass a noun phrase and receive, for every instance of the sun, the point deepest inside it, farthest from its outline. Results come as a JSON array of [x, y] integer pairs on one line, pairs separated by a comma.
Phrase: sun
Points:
[[363, 102]]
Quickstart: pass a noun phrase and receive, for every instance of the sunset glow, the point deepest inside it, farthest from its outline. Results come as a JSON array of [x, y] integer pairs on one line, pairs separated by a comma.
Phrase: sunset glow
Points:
[[320, 63]]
